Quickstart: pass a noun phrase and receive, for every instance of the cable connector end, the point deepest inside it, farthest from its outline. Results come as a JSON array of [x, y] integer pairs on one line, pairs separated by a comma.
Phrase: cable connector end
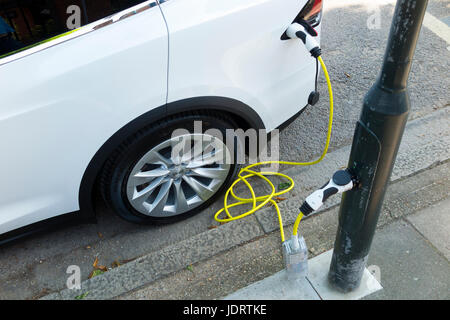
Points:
[[306, 209], [342, 181], [295, 254]]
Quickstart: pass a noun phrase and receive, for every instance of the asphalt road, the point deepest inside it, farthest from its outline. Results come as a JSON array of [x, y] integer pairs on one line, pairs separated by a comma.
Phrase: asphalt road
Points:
[[37, 265]]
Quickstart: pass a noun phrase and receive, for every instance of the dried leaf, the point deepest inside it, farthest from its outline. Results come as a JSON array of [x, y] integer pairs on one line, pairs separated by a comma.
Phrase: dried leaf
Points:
[[279, 199], [212, 227], [95, 262], [97, 267], [102, 268]]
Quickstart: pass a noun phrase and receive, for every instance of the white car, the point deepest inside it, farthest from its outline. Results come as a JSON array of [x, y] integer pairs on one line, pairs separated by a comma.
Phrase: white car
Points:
[[96, 106]]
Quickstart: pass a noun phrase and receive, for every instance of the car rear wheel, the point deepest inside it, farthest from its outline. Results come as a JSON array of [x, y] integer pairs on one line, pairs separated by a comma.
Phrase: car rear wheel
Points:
[[168, 171]]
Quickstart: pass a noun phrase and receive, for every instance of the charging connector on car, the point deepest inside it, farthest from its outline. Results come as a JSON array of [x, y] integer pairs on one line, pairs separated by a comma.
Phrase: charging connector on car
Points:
[[306, 33], [297, 31]]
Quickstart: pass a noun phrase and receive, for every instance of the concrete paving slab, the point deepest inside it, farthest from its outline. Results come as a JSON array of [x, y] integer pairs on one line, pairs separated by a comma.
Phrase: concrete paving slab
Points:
[[434, 224], [276, 287], [318, 276], [410, 268]]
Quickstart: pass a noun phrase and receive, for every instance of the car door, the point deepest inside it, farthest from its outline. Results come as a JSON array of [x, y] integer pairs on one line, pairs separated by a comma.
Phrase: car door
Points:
[[62, 98]]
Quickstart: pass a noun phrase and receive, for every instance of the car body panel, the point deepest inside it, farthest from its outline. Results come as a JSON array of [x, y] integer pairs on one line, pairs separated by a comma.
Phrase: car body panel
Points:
[[232, 49], [80, 93], [74, 97]]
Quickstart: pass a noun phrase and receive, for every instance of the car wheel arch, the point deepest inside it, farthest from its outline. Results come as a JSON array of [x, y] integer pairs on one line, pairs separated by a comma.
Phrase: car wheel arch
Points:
[[245, 116]]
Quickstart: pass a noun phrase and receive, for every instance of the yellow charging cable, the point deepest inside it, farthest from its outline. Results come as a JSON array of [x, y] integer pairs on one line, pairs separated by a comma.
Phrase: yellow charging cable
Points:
[[261, 201]]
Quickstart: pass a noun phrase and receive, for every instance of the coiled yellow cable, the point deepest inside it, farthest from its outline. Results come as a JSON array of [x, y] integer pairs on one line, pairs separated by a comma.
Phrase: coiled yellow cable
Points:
[[261, 201]]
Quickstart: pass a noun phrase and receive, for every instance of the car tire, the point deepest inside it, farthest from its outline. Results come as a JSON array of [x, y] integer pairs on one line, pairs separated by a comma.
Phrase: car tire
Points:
[[144, 188]]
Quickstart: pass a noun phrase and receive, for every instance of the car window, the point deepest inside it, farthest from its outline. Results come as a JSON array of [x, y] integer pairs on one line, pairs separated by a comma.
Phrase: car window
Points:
[[24, 24]]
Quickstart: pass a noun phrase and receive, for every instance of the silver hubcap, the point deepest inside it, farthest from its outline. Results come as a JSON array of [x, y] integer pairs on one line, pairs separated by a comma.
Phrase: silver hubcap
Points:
[[178, 175]]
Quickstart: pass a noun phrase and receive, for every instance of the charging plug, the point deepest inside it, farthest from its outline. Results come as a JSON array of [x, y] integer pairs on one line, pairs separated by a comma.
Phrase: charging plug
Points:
[[295, 253], [297, 31], [342, 181]]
